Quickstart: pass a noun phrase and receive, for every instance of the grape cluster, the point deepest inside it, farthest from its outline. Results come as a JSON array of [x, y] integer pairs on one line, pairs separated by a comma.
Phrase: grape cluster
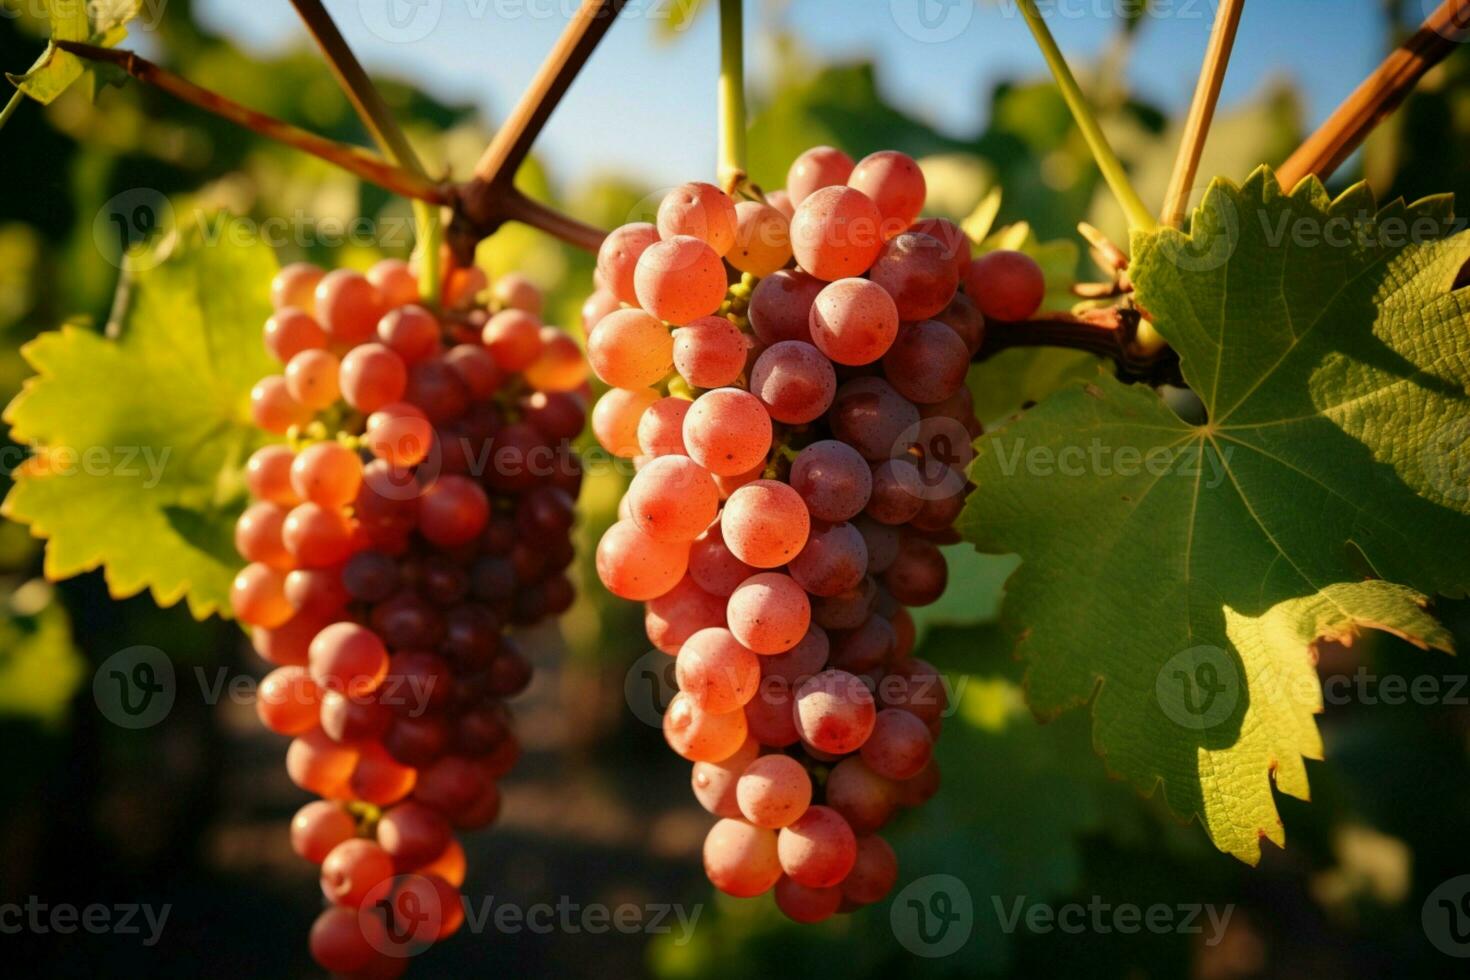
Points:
[[422, 504], [800, 437]]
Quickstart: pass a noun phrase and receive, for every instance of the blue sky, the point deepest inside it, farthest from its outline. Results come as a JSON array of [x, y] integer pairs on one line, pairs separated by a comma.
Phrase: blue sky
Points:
[[644, 107]]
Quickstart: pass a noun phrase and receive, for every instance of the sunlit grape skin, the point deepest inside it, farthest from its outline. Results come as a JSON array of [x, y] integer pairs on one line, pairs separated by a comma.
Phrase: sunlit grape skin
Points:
[[1005, 285], [836, 233], [679, 279]]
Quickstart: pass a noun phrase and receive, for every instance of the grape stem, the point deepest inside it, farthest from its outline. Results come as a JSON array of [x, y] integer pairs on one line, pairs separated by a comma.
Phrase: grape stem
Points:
[[1139, 217], [359, 162], [1379, 94], [381, 124], [15, 100], [1110, 333], [1201, 112], [731, 96], [490, 199]]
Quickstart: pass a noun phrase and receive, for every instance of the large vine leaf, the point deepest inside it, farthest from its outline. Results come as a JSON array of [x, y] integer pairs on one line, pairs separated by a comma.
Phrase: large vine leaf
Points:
[[1176, 575], [138, 442], [99, 22]]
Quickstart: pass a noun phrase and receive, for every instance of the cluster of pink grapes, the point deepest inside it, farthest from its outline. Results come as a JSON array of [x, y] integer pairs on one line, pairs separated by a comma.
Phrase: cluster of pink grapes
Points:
[[422, 504], [800, 450]]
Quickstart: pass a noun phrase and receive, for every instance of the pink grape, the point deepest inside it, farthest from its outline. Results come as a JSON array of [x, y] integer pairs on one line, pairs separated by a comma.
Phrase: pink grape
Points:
[[453, 511], [834, 712], [773, 791], [632, 565], [927, 362], [854, 321], [513, 291], [630, 349], [673, 499], [661, 429], [559, 367], [794, 381], [716, 672], [727, 431], [873, 418], [411, 332], [740, 859], [372, 376], [806, 905], [802, 661], [918, 272], [258, 535], [319, 765], [1006, 285], [258, 596], [894, 182], [291, 330], [781, 306], [900, 746], [762, 239], [769, 613], [714, 782], [713, 565], [268, 475], [670, 619], [702, 736], [318, 827], [833, 479], [273, 409], [710, 352], [399, 434], [327, 473], [873, 874], [834, 560], [348, 658], [680, 280], [311, 378], [821, 166], [865, 799], [818, 849], [699, 210], [317, 536], [956, 244], [616, 418], [348, 306], [768, 714], [618, 257], [836, 233], [395, 281], [765, 523], [352, 870], [295, 285], [919, 574], [514, 338]]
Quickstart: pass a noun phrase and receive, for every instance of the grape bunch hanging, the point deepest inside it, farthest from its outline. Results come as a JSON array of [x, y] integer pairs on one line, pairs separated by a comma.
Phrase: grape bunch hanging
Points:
[[788, 374], [421, 506]]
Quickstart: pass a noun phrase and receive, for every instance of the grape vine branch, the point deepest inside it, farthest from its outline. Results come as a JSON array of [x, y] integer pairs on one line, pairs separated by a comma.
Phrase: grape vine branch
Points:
[[479, 206]]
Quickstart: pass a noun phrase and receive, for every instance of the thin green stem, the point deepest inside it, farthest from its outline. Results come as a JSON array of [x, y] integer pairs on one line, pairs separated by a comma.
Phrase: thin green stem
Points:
[[373, 110], [1139, 216], [732, 95], [10, 107]]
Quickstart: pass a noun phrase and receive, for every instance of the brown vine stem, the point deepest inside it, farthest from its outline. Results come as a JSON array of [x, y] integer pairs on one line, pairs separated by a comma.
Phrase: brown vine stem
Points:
[[1201, 112], [507, 151], [490, 199], [361, 91], [1347, 127], [355, 160], [1109, 333]]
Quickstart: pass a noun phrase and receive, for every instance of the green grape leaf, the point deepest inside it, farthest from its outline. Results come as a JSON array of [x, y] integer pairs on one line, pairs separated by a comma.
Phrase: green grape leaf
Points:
[[99, 22], [40, 666], [1175, 575], [139, 439]]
